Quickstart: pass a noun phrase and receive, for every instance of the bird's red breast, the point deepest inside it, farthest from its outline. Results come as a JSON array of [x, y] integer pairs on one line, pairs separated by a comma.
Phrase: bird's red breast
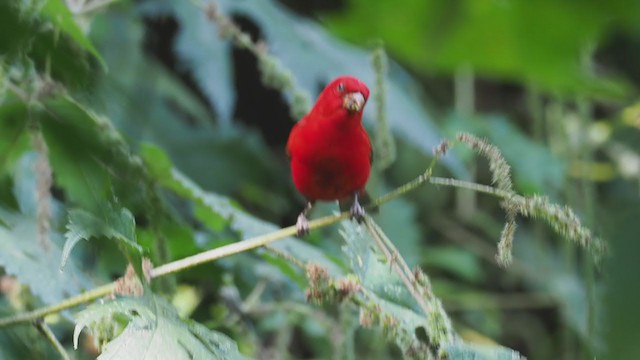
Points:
[[329, 148]]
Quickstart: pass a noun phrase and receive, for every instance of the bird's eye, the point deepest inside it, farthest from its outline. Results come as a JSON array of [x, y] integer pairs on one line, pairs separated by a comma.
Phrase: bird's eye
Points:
[[341, 87]]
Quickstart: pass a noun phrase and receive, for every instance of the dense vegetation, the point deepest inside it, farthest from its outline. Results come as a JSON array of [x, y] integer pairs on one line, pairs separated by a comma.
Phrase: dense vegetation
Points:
[[506, 174]]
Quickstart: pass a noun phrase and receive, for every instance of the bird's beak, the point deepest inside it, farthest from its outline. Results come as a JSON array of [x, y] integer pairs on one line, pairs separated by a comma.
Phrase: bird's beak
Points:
[[353, 102]]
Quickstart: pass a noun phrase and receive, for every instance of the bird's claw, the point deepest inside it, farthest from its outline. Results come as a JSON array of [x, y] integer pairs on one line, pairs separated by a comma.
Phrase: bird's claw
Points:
[[302, 225], [357, 212]]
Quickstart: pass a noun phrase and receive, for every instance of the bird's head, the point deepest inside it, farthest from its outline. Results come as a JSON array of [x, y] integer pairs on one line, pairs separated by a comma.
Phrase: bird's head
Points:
[[344, 94]]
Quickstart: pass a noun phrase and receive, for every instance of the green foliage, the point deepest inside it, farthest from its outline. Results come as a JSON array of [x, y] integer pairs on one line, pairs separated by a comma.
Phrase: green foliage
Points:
[[70, 134], [23, 342], [387, 303], [540, 42], [32, 41], [23, 256], [153, 330], [60, 15], [111, 223]]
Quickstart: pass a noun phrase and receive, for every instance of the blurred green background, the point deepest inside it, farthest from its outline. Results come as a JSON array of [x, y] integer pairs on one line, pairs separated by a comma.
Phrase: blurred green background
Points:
[[553, 83]]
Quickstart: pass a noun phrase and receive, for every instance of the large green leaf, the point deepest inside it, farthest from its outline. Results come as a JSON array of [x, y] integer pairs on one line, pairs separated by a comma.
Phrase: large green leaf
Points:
[[24, 256], [28, 40], [91, 160], [540, 42], [397, 309], [153, 331], [13, 140]]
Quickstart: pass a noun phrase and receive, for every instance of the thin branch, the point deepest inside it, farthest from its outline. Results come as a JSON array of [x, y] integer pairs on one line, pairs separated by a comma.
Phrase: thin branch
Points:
[[486, 189], [393, 259], [66, 304], [242, 246], [440, 330], [46, 331]]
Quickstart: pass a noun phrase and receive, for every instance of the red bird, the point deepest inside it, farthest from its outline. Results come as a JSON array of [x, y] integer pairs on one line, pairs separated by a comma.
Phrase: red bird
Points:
[[330, 150]]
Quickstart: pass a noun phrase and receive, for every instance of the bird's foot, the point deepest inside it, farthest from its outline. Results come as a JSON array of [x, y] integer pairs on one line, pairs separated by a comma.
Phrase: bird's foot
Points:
[[302, 225], [357, 212]]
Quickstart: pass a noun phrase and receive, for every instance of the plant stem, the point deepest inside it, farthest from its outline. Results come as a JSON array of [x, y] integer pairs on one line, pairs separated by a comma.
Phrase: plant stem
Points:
[[430, 305], [46, 331], [239, 247], [66, 304], [486, 189], [393, 259]]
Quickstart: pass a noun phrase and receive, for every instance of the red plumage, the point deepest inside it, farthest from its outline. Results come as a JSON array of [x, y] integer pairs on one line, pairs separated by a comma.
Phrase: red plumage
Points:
[[329, 149]]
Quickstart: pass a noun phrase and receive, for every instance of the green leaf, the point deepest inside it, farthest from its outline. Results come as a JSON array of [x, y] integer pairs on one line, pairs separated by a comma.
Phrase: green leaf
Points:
[[58, 12], [371, 268], [540, 42], [113, 223], [28, 41], [154, 331], [455, 260], [398, 218], [90, 158], [395, 308], [13, 139], [22, 254]]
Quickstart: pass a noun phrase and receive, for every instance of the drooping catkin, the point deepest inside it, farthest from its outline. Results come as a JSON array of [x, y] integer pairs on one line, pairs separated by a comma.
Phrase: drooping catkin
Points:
[[43, 187], [500, 170]]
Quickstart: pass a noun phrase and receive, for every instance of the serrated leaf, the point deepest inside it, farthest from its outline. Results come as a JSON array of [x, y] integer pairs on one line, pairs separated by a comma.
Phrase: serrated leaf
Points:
[[154, 331], [23, 255], [113, 223], [91, 160], [58, 12]]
